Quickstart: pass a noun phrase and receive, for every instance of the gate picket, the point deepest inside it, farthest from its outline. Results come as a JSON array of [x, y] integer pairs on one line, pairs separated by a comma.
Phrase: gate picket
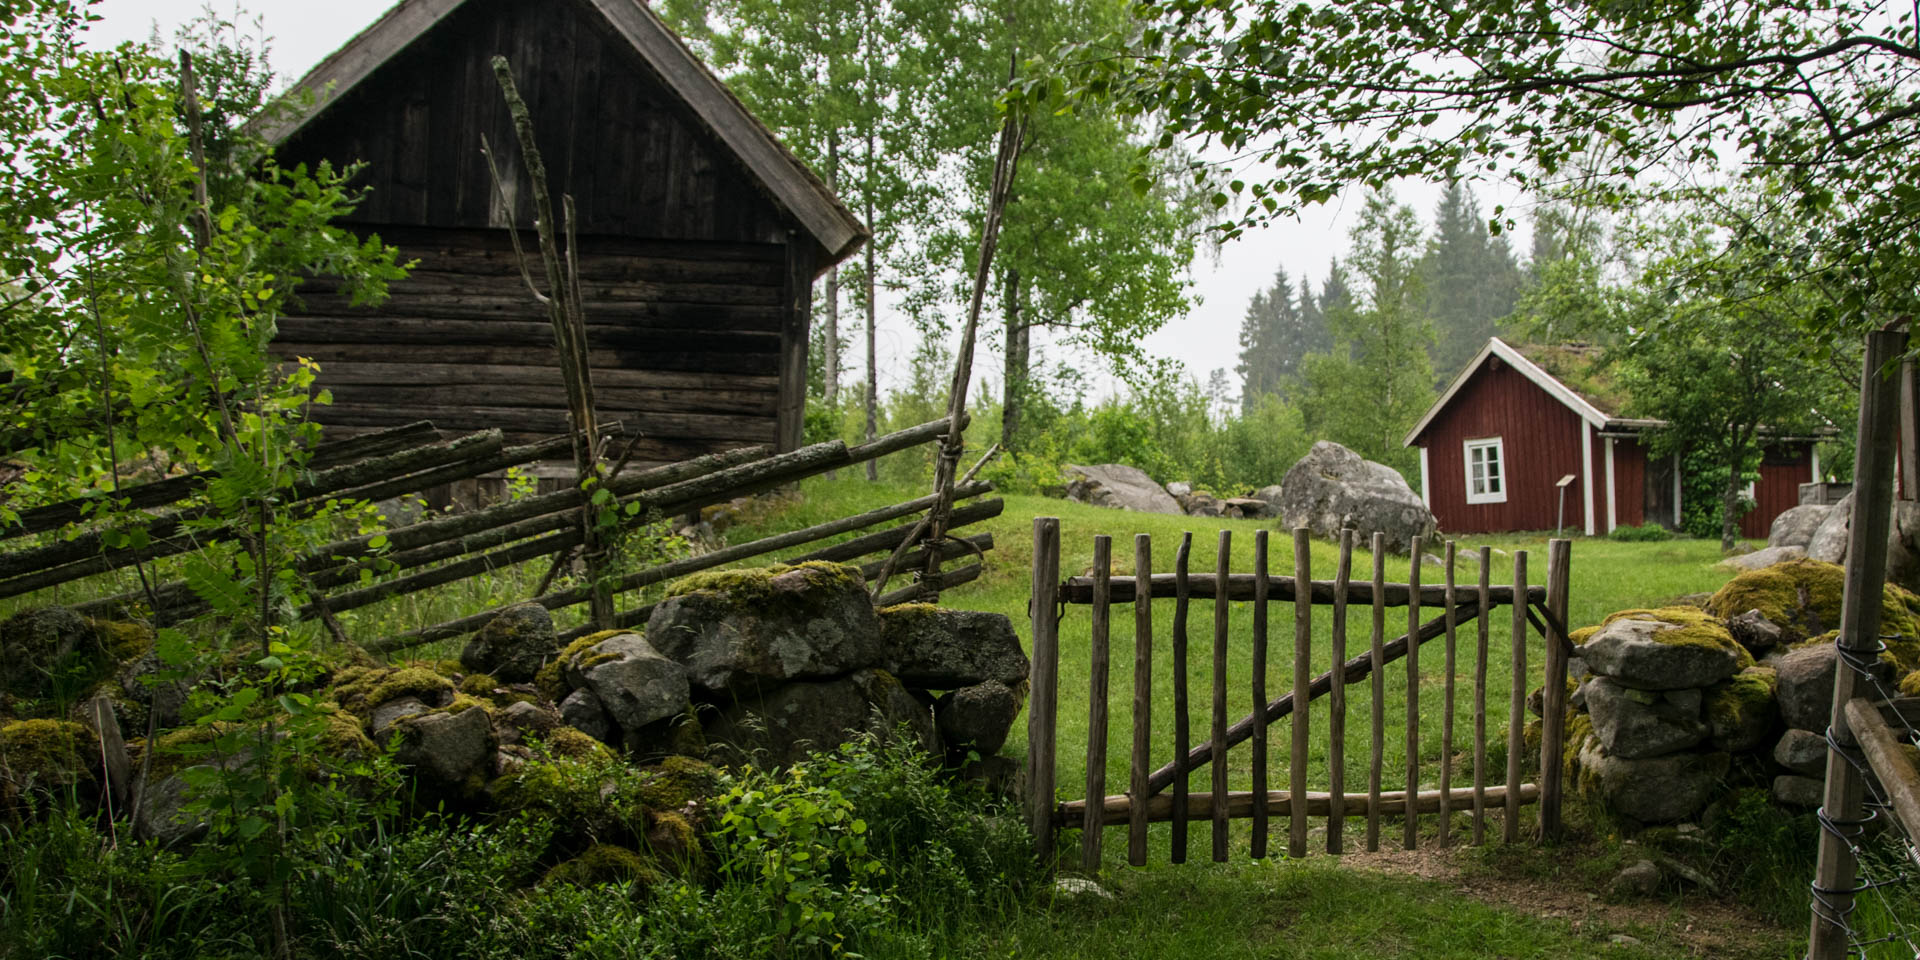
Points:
[[1142, 702], [1302, 674], [1181, 733], [1097, 655], [1410, 832], [1337, 702], [1377, 678], [1260, 805], [1225, 555]]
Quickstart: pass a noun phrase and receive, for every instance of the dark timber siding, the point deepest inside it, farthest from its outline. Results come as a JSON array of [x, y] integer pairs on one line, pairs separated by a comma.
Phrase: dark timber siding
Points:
[[1783, 469], [1541, 440], [696, 300], [1629, 484]]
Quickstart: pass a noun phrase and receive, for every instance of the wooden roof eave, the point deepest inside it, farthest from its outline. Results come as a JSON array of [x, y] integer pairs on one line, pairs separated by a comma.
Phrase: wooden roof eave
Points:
[[790, 184], [1496, 347]]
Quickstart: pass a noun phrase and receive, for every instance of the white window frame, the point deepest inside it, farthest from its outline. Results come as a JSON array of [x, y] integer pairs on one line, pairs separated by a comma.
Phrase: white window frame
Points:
[[1498, 446]]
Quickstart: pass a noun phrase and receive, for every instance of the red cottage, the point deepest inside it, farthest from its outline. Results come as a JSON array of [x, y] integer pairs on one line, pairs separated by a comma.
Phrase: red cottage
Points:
[[1517, 421]]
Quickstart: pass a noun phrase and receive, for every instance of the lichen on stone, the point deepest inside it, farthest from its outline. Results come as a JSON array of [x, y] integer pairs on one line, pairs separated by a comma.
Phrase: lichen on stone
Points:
[[1582, 635], [756, 584], [1731, 704]]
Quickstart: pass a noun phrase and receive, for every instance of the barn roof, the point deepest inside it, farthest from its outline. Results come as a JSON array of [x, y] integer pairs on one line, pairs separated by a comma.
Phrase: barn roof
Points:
[[786, 180]]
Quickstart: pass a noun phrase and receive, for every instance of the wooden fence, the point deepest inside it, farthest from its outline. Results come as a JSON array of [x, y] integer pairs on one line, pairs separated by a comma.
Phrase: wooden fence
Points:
[[1148, 799], [366, 569]]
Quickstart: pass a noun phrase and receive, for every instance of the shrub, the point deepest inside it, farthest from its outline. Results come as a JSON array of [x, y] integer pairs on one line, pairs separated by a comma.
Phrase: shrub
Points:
[[1645, 533]]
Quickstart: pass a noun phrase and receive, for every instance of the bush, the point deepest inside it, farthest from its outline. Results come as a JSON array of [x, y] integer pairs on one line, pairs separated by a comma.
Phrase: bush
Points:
[[1645, 533]]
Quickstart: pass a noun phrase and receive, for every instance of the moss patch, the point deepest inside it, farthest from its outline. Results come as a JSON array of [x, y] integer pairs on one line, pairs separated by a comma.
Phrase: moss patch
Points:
[[359, 689], [571, 744], [479, 684], [1582, 635], [551, 679], [1693, 628], [122, 641], [1732, 704], [757, 584], [678, 781], [600, 864], [1804, 598], [1910, 684]]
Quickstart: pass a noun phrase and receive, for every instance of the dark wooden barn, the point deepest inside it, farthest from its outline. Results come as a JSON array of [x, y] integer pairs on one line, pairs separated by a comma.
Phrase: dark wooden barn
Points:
[[1515, 421], [700, 234]]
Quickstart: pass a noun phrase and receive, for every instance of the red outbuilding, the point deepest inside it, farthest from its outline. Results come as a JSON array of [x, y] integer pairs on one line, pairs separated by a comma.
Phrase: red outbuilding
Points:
[[1526, 438]]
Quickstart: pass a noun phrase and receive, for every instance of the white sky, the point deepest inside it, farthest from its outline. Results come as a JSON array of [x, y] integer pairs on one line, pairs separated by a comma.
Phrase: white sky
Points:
[[303, 31]]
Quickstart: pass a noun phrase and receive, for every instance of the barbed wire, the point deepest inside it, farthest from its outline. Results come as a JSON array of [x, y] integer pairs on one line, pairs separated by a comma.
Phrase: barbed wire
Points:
[[1885, 851]]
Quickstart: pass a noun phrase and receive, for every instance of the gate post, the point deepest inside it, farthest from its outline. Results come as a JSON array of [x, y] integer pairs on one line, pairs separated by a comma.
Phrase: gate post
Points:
[[1553, 697], [1043, 700], [1835, 874]]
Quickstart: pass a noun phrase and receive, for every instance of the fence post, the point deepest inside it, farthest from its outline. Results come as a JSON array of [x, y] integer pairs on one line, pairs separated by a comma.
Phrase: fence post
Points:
[[1835, 873], [1553, 697], [1043, 700]]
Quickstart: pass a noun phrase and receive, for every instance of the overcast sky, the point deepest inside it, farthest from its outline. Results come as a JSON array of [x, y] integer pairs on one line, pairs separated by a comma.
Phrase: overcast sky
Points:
[[304, 31]]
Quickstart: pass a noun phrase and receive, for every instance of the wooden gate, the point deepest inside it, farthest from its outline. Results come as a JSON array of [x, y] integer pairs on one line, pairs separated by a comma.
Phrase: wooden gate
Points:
[[1163, 794]]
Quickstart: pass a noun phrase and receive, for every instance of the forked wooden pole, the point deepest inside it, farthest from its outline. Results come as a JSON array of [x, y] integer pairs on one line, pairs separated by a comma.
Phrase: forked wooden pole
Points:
[[1553, 697], [1142, 703], [1181, 732], [1220, 601], [1043, 698], [1516, 705], [1259, 759], [1302, 678], [1097, 657], [1337, 703]]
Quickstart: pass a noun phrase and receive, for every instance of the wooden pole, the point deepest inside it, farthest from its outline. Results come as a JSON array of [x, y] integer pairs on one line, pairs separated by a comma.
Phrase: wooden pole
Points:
[[1259, 759], [1480, 700], [1181, 733], [1553, 697], [1337, 701], [1043, 697], [1377, 679], [1097, 701], [1219, 743], [1410, 827], [1142, 702], [1889, 762], [1836, 869], [1302, 679], [1446, 713], [1516, 703]]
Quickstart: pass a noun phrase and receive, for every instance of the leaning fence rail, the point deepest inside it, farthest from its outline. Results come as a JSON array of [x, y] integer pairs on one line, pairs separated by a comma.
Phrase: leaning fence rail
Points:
[[1147, 800]]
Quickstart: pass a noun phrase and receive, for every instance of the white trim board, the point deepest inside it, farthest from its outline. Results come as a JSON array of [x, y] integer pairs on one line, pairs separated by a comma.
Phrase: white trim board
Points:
[[1426, 489], [1497, 347], [1612, 513], [1586, 476]]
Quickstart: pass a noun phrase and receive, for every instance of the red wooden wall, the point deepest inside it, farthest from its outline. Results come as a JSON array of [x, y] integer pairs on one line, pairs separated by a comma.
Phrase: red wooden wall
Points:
[[1541, 443], [1629, 485], [1782, 470]]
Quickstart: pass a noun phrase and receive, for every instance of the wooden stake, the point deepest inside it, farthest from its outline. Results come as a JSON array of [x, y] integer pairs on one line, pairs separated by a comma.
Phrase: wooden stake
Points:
[[1097, 701], [1377, 678], [1480, 700], [1302, 677], [1142, 702], [1337, 702], [1224, 557], [1181, 733], [1260, 810], [1043, 698], [1553, 697], [1516, 703], [1446, 716], [1410, 830]]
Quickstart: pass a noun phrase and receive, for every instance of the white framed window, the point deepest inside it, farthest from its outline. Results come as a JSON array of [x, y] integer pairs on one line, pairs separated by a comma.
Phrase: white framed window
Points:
[[1486, 471]]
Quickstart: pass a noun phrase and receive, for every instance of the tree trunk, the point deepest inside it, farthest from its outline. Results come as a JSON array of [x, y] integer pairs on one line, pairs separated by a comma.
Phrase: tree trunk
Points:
[[1730, 501], [873, 371], [1014, 390]]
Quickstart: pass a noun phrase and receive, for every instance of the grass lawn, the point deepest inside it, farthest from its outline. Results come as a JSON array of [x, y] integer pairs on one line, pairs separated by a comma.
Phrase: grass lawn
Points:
[[1312, 908]]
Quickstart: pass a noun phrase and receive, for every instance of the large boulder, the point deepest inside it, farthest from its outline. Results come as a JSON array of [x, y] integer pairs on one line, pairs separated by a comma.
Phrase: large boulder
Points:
[[1796, 527], [741, 631], [635, 684], [1669, 649], [1803, 598], [37, 646], [1332, 488], [1765, 558], [977, 718], [783, 726], [1655, 789], [1119, 486], [513, 645], [1828, 544], [933, 648], [1635, 724]]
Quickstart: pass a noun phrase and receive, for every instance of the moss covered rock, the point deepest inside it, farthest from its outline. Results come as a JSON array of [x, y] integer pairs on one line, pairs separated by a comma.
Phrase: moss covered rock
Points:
[[737, 632], [54, 652], [1803, 598], [46, 758], [1655, 789], [1910, 684], [360, 689], [783, 726], [604, 863], [1741, 712], [677, 783], [1670, 648], [514, 645], [1635, 724], [932, 648]]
